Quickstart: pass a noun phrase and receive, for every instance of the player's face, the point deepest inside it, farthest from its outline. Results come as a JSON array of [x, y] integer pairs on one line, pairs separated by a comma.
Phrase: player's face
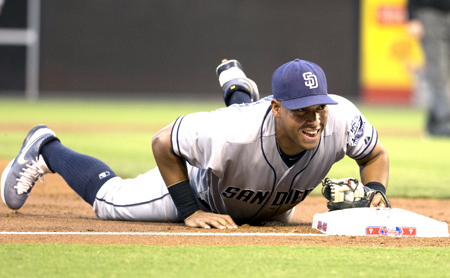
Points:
[[300, 129]]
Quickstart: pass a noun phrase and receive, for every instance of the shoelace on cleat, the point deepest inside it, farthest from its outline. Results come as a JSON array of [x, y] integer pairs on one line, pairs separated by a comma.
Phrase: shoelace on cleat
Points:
[[28, 177]]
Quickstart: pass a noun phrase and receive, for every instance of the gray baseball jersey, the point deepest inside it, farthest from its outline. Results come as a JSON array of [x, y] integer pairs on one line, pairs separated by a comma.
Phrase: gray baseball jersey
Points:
[[237, 169]]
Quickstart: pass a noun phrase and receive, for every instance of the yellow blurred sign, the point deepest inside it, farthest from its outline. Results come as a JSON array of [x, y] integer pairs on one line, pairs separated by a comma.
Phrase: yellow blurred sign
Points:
[[389, 55]]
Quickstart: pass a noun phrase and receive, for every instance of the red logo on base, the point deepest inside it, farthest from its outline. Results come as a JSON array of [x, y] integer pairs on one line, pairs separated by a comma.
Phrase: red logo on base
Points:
[[322, 226], [396, 231]]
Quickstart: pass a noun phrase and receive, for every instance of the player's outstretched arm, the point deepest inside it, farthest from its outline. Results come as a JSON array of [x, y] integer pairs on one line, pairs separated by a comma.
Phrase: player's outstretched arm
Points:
[[374, 168], [174, 173]]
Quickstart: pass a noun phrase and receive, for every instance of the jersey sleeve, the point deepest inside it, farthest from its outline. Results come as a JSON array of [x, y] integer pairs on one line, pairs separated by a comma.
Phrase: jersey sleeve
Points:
[[361, 136], [199, 139], [205, 139]]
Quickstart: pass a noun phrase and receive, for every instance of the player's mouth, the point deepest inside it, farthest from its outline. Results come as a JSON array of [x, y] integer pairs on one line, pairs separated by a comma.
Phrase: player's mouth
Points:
[[311, 134]]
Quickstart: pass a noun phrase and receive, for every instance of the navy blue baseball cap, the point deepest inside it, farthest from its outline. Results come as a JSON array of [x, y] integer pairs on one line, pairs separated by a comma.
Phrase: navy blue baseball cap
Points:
[[299, 84]]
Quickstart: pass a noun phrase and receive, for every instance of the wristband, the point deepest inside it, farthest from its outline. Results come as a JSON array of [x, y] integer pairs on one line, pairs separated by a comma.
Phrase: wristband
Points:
[[184, 198], [376, 186]]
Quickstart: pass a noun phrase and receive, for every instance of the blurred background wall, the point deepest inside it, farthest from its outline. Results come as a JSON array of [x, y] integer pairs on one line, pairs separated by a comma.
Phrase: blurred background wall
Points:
[[13, 15], [142, 47], [110, 48]]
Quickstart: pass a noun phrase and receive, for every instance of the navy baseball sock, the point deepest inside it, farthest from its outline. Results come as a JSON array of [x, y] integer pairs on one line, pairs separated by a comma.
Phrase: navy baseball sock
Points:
[[84, 174], [239, 97]]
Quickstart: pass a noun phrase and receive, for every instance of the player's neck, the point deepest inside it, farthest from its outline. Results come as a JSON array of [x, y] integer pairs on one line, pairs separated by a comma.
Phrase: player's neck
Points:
[[285, 143], [289, 150]]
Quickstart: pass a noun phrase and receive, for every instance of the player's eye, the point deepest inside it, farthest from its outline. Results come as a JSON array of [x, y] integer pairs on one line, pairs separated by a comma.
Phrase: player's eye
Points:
[[322, 107]]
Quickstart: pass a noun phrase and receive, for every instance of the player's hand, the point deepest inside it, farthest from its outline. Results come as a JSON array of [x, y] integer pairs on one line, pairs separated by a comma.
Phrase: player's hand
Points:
[[377, 201], [201, 219]]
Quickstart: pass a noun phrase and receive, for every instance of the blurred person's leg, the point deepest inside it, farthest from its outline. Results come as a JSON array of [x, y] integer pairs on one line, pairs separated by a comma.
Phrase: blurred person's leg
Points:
[[436, 45]]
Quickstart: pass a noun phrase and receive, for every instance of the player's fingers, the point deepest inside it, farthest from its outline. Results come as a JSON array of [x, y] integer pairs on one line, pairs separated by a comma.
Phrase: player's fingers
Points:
[[225, 221], [381, 203], [377, 201], [229, 222], [204, 225], [220, 221], [196, 223], [374, 203], [215, 224], [207, 220]]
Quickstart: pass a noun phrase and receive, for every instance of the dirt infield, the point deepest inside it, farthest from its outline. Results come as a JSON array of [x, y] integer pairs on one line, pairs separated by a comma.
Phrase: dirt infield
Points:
[[54, 207]]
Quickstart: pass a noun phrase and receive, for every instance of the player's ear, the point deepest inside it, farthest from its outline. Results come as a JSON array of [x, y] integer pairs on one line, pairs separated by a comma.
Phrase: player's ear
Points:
[[276, 107]]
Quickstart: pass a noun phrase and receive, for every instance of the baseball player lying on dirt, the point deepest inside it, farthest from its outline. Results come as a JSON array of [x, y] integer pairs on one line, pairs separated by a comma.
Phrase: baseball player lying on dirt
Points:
[[250, 162]]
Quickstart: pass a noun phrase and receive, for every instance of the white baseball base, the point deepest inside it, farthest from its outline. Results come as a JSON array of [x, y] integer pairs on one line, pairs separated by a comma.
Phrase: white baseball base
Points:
[[378, 222]]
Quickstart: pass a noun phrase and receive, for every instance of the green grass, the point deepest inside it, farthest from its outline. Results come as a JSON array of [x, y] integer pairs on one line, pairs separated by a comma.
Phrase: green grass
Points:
[[117, 132], [58, 260], [73, 111], [120, 133]]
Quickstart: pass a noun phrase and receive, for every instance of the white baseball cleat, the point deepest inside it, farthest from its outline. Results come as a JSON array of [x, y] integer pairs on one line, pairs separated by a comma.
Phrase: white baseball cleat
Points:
[[232, 78], [29, 166]]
